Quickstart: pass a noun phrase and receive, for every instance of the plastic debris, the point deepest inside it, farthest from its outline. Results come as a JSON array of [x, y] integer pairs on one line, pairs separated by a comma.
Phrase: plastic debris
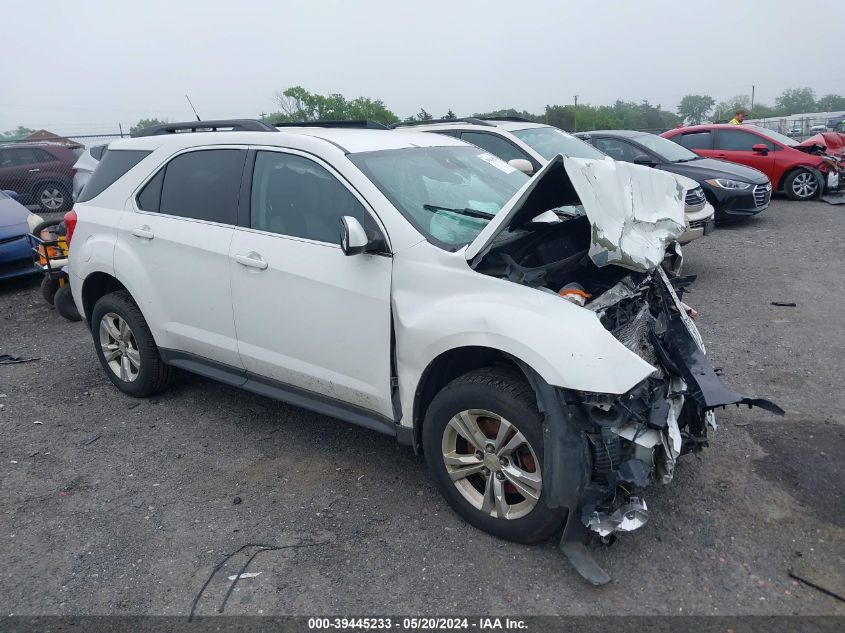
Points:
[[575, 293], [249, 574]]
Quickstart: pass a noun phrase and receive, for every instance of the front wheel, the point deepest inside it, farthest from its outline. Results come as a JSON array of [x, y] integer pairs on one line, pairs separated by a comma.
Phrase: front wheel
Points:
[[483, 442], [802, 185], [126, 348]]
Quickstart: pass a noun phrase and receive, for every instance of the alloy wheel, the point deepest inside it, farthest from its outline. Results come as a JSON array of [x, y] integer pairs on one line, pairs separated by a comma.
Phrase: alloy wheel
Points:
[[492, 464], [52, 198], [805, 185], [120, 349]]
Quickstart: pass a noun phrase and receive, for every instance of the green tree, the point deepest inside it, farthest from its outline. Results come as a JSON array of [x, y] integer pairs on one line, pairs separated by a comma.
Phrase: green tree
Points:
[[450, 115], [17, 134], [725, 110], [831, 103], [694, 108], [297, 104], [140, 125], [797, 101], [511, 112]]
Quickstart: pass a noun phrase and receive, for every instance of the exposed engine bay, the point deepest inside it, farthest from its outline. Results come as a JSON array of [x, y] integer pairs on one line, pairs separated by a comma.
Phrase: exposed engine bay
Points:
[[633, 440]]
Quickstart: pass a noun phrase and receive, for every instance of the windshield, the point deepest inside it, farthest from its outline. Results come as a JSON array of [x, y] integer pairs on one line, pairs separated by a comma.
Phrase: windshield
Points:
[[550, 141], [776, 136], [668, 150], [448, 193]]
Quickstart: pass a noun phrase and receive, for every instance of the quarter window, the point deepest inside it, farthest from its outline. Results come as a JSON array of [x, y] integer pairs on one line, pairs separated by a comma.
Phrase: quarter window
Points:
[[497, 146], [201, 185], [295, 196], [112, 167]]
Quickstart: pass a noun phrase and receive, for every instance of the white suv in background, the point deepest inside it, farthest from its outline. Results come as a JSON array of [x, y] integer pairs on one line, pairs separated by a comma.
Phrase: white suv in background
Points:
[[520, 331], [528, 146]]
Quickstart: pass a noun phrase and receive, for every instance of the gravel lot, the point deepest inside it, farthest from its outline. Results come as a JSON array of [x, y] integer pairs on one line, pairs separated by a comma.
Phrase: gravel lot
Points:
[[111, 505]]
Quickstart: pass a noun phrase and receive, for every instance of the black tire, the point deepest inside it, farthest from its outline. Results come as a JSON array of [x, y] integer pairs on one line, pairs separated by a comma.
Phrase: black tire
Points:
[[153, 375], [44, 225], [505, 392], [62, 196], [795, 187], [63, 301], [49, 287]]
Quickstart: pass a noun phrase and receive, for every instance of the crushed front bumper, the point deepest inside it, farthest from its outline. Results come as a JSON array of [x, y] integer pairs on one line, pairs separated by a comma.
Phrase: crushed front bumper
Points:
[[633, 439]]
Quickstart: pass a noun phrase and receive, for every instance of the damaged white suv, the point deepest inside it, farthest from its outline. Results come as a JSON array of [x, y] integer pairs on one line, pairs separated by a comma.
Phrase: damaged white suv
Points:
[[520, 331]]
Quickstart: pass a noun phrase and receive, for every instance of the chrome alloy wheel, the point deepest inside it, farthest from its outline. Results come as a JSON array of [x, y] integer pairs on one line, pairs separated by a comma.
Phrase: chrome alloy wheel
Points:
[[492, 464], [120, 349], [805, 185], [52, 198]]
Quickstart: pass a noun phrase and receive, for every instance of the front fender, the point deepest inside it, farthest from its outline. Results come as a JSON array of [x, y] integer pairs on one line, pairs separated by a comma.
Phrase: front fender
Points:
[[443, 304]]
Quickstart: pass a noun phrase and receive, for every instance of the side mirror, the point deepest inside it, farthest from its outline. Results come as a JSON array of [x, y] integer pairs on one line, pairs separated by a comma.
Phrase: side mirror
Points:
[[522, 165], [354, 239], [760, 148], [646, 161], [12, 194]]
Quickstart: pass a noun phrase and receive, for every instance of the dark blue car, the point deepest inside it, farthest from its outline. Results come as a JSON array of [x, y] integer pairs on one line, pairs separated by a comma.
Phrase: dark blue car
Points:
[[15, 254]]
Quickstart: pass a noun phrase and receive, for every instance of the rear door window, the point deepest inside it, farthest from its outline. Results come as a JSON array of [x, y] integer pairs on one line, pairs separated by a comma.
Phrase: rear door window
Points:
[[497, 146], [695, 140], [201, 185], [115, 163]]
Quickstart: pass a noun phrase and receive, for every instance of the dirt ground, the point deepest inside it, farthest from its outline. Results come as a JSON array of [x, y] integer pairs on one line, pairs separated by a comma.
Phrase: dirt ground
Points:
[[110, 505]]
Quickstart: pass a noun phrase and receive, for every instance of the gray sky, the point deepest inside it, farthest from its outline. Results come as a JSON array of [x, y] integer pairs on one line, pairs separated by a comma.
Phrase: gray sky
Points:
[[83, 66]]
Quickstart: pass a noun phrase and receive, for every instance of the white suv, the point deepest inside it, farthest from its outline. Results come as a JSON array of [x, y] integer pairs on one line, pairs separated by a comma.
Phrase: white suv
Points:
[[528, 146], [520, 331]]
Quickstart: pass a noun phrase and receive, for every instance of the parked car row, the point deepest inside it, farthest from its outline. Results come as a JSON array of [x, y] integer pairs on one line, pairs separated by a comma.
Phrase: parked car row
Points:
[[520, 331], [40, 173], [799, 170]]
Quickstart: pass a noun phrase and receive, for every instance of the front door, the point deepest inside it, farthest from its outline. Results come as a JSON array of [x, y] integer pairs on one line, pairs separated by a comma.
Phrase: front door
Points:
[[735, 146], [306, 315]]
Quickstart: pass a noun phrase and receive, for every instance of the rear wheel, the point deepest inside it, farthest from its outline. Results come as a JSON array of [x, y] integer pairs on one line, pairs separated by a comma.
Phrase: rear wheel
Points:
[[126, 348], [802, 185], [65, 304], [53, 197], [49, 287], [483, 442]]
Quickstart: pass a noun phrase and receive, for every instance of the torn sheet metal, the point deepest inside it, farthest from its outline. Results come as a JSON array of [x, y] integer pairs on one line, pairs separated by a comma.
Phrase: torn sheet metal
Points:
[[635, 211], [627, 518]]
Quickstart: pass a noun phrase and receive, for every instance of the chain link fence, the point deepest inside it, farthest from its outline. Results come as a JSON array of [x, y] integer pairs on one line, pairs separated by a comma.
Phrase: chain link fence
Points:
[[46, 171]]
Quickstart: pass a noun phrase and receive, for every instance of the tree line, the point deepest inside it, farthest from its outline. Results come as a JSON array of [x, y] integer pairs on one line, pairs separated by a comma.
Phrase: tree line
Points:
[[298, 104]]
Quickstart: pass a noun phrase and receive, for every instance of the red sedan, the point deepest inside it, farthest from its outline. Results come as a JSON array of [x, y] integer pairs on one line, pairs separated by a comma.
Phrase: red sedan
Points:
[[799, 172]]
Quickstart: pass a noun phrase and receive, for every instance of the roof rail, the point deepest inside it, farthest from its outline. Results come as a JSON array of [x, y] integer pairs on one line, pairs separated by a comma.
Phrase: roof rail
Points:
[[515, 119], [222, 125], [354, 123], [469, 119]]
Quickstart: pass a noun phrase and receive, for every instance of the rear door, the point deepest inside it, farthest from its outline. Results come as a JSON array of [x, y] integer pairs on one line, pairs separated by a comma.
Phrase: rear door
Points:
[[173, 248], [735, 145], [699, 141], [306, 315]]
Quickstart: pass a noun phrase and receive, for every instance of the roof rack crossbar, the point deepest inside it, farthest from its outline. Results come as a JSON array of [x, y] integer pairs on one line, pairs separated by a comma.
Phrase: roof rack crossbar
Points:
[[515, 119], [469, 119], [353, 123], [230, 125]]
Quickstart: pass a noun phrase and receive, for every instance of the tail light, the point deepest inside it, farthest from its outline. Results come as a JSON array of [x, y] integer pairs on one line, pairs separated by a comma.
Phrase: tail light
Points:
[[70, 224]]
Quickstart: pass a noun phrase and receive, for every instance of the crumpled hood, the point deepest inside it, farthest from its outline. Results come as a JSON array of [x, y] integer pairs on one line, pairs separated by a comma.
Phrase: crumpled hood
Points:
[[634, 211]]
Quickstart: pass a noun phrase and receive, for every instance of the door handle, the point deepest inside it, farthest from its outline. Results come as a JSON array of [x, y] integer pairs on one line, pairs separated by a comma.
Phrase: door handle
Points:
[[32, 171], [251, 260], [721, 155], [144, 232]]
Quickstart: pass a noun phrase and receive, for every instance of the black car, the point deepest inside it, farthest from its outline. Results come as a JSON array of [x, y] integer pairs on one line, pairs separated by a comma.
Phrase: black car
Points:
[[735, 191]]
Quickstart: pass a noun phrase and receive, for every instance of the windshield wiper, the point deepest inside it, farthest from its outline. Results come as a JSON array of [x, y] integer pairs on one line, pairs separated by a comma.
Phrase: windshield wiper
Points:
[[473, 213]]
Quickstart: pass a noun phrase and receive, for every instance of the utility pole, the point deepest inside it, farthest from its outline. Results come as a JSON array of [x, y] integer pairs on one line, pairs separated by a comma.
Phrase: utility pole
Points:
[[575, 115], [752, 101], [121, 129]]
